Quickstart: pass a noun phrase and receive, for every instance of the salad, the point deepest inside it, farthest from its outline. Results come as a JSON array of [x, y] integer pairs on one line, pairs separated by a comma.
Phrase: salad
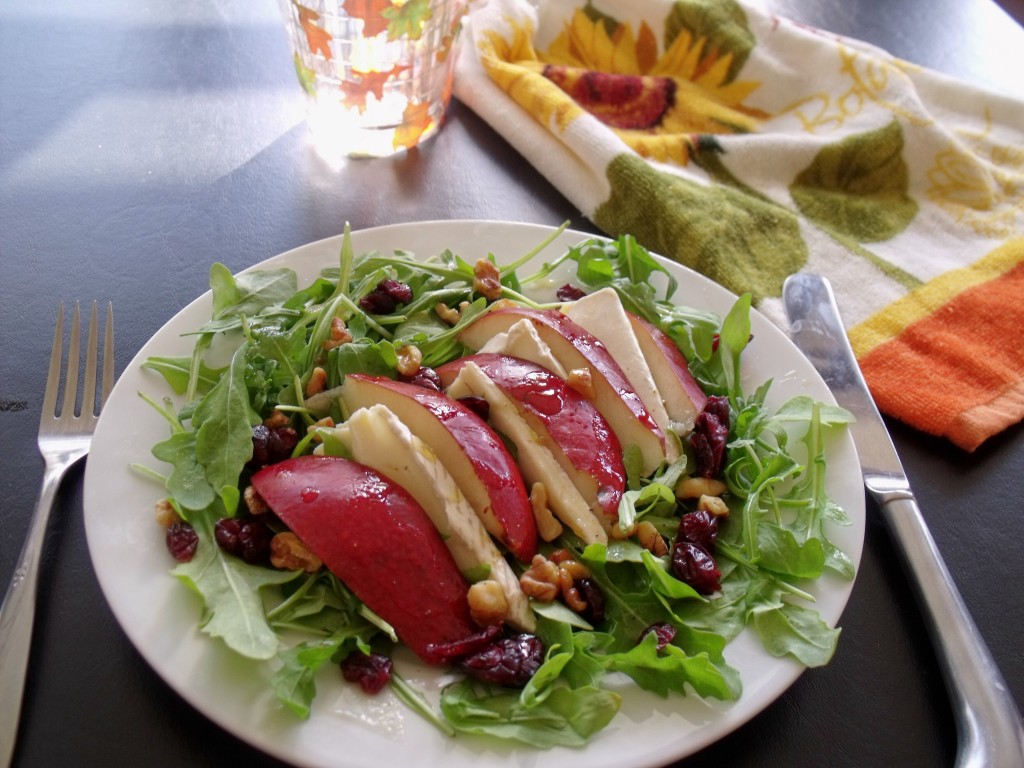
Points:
[[672, 592]]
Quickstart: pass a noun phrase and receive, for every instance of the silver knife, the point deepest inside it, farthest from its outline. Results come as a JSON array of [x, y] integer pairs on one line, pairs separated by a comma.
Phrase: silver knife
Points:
[[990, 732]]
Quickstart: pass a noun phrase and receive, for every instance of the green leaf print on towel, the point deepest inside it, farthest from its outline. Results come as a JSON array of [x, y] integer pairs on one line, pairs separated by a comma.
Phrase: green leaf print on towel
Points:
[[743, 242], [722, 23], [858, 186]]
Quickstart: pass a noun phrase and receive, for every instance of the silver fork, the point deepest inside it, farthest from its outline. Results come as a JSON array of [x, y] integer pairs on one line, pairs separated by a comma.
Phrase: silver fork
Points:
[[64, 438]]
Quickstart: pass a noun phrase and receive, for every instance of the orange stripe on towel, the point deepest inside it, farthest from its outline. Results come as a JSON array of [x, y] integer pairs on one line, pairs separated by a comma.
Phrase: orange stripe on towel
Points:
[[959, 371]]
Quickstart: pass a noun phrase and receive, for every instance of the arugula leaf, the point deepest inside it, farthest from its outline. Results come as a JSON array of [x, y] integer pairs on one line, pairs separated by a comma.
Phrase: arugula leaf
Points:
[[178, 370], [733, 339], [230, 589], [787, 629], [249, 292], [223, 422], [671, 670], [727, 614], [800, 410], [364, 356], [779, 551], [582, 669], [187, 482], [639, 592], [812, 503], [565, 717], [294, 682]]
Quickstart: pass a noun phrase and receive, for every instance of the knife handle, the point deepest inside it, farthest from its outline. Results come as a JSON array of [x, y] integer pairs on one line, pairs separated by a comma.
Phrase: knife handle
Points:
[[990, 731]]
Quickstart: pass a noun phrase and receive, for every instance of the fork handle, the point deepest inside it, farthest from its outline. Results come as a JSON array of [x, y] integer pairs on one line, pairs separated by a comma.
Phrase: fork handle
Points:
[[17, 616]]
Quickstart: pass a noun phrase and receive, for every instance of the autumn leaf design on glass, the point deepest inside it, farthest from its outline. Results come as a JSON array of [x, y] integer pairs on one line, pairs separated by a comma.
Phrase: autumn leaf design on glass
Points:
[[378, 72], [318, 38]]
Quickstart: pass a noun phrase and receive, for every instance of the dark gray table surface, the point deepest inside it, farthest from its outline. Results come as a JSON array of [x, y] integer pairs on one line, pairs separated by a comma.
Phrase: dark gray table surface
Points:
[[141, 141]]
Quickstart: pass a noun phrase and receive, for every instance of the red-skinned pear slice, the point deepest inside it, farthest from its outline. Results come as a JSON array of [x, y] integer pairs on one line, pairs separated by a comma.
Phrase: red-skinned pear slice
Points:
[[522, 340], [376, 438], [601, 314], [373, 536], [577, 349], [535, 459], [683, 397], [472, 453], [568, 425]]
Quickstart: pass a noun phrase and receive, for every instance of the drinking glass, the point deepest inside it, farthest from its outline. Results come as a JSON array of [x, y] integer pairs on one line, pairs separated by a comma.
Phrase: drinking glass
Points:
[[378, 73]]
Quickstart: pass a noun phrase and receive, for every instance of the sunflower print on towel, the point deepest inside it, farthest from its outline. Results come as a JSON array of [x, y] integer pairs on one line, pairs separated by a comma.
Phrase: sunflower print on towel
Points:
[[655, 98]]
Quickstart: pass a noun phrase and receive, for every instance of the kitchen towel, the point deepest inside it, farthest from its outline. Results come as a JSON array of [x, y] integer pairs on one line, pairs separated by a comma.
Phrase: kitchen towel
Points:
[[750, 147]]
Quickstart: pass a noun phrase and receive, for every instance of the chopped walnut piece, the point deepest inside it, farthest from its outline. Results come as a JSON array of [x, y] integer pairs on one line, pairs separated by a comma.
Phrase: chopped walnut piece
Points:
[[649, 538], [166, 514], [447, 314], [317, 381], [548, 528], [315, 428], [487, 603], [254, 502], [541, 580], [409, 360], [560, 556], [713, 505], [339, 334], [554, 575], [277, 419], [288, 553], [582, 381], [487, 279], [573, 599], [569, 571], [695, 487]]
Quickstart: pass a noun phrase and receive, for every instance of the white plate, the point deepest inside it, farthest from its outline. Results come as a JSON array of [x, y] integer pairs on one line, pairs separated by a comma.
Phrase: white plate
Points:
[[160, 615]]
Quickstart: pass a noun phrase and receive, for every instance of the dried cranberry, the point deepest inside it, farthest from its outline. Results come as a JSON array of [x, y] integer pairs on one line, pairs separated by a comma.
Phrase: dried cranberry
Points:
[[509, 661], [699, 527], [247, 538], [664, 631], [270, 446], [718, 407], [383, 299], [569, 292], [694, 565], [281, 443], [591, 594], [425, 377], [372, 671], [260, 445], [442, 653], [477, 405], [710, 436], [182, 541]]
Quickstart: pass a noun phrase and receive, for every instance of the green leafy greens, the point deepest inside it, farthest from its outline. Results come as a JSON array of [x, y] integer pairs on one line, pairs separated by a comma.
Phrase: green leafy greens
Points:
[[773, 542]]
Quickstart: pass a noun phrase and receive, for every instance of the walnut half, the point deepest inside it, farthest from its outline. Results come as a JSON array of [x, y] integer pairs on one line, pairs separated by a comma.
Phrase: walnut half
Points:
[[288, 553]]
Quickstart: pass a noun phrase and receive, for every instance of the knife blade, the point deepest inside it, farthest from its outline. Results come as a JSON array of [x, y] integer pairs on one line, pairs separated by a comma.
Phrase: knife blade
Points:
[[989, 728]]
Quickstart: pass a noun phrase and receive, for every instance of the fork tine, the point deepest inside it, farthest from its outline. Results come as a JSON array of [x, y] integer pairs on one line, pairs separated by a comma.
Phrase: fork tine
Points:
[[71, 366], [53, 376], [91, 347], [108, 355]]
